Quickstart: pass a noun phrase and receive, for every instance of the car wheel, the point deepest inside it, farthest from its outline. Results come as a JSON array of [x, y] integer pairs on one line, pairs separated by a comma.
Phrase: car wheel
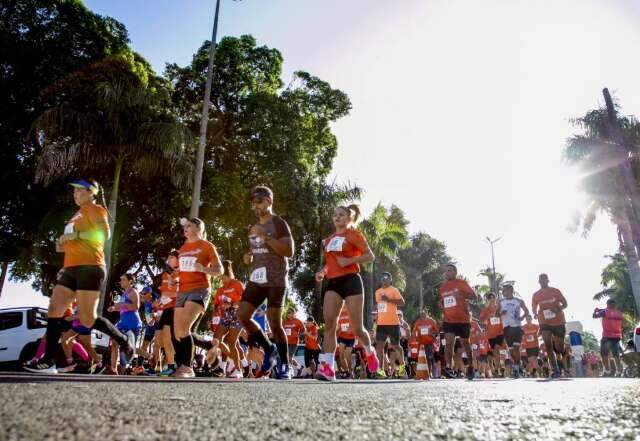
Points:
[[28, 352]]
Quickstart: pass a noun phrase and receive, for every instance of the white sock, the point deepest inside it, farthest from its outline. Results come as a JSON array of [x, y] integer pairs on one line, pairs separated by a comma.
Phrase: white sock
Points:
[[244, 362], [329, 358], [231, 366], [223, 366], [369, 350]]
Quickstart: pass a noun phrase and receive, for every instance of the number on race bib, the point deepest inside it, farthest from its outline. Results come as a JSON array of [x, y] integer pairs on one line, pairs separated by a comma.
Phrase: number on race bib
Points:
[[530, 338], [414, 350], [548, 314], [424, 330], [68, 229], [443, 342], [259, 275], [494, 320], [188, 264], [450, 302], [344, 327], [215, 321], [382, 307], [287, 331], [336, 244], [474, 347], [165, 300]]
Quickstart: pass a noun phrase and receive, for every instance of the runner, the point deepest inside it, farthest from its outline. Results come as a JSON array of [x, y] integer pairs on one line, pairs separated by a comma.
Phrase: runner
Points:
[[388, 298], [311, 347], [168, 293], [547, 306], [229, 295], [426, 331], [611, 336], [475, 337], [454, 294], [82, 275], [512, 311], [483, 357], [346, 342], [149, 298], [197, 260], [271, 246], [129, 324], [293, 328], [493, 325], [530, 342], [405, 331], [344, 251]]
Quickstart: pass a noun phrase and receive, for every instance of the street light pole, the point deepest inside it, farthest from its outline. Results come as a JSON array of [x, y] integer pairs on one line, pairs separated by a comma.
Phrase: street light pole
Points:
[[206, 104], [494, 281]]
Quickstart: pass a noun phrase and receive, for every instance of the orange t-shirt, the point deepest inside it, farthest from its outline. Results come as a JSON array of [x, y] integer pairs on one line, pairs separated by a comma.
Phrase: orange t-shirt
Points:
[[387, 312], [199, 251], [424, 329], [168, 291], [414, 347], [492, 322], [454, 294], [351, 243], [233, 290], [475, 334], [293, 328], [545, 299], [344, 326], [530, 336], [311, 339], [90, 218], [483, 344]]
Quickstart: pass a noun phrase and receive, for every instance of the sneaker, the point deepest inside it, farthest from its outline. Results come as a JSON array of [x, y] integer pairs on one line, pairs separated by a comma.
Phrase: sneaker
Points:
[[217, 373], [67, 367], [448, 373], [381, 374], [372, 362], [516, 374], [402, 371], [150, 372], [41, 367], [283, 372], [270, 360], [556, 373], [137, 370], [236, 375], [128, 351], [325, 373], [470, 373], [109, 371], [97, 369], [167, 372], [185, 372]]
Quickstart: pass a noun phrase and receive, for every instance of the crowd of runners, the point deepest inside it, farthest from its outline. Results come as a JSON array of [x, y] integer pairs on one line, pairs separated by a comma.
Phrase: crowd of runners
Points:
[[252, 336]]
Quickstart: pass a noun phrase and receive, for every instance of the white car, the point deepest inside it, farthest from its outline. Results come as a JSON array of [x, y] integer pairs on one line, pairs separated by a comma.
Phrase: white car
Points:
[[20, 332]]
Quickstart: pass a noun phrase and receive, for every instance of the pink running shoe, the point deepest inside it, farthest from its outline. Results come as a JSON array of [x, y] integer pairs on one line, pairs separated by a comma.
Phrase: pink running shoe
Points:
[[372, 362], [184, 372], [325, 373]]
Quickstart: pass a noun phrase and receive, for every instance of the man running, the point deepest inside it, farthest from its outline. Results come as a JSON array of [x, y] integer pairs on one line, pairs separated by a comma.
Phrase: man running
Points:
[[531, 345], [454, 294], [294, 328], [512, 311], [388, 298], [493, 325], [547, 305], [611, 336], [271, 245]]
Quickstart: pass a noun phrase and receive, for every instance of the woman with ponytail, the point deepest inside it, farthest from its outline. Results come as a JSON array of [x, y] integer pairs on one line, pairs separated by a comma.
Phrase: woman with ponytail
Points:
[[344, 251]]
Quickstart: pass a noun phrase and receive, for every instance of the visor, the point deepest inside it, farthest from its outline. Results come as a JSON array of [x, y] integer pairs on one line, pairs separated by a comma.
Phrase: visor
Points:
[[86, 185]]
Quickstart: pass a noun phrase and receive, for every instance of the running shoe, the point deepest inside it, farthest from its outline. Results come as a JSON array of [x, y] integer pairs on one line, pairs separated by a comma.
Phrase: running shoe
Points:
[[372, 362], [402, 371], [236, 375], [217, 373], [381, 374], [137, 370], [167, 372], [325, 373], [270, 360], [556, 373], [448, 373], [67, 368], [109, 371], [283, 372], [97, 369], [150, 372], [470, 373], [41, 367], [185, 372]]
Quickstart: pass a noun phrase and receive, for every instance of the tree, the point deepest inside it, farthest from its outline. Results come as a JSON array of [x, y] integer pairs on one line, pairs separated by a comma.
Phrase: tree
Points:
[[42, 41], [617, 286], [606, 151], [590, 342]]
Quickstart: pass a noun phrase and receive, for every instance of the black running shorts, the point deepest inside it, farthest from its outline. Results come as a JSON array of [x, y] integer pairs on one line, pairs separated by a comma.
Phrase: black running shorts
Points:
[[256, 294], [346, 286], [82, 278], [461, 330]]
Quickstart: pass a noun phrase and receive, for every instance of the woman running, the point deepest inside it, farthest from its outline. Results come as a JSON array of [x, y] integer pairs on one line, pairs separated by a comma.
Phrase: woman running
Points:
[[229, 295], [344, 251], [198, 260], [82, 275], [130, 323], [168, 293]]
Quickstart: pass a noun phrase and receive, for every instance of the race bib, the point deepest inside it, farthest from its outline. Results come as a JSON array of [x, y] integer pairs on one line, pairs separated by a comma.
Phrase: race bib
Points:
[[68, 229], [482, 346], [188, 264], [548, 314], [503, 353], [287, 331], [494, 320], [344, 327], [164, 300], [443, 342], [382, 307], [424, 330], [336, 244], [474, 347], [530, 338], [215, 320], [414, 351], [259, 275], [450, 302]]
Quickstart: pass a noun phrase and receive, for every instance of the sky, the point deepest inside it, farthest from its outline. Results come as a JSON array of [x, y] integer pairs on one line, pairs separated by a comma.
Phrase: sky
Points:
[[460, 112]]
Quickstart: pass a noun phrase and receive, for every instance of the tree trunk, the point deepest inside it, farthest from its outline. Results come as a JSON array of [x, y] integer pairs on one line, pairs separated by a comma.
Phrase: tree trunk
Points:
[[108, 246], [421, 298], [3, 274], [631, 257]]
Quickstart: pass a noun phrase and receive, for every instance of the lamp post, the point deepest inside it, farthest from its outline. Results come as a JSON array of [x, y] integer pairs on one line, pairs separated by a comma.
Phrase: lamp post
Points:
[[494, 281]]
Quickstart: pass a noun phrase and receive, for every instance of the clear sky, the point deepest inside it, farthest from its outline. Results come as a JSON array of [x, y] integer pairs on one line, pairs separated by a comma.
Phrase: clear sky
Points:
[[460, 111]]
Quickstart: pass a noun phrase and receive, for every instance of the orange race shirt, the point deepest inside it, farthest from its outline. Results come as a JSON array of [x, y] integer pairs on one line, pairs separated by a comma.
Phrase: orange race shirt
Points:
[[311, 339], [202, 252], [344, 326], [387, 312], [492, 323], [293, 328], [475, 333], [483, 344], [454, 294], [90, 218], [351, 243], [414, 347], [232, 290], [424, 329], [547, 298], [168, 291], [530, 336]]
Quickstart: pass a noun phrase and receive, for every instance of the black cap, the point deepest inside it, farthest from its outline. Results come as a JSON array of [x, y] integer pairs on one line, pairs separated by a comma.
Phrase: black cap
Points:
[[611, 302]]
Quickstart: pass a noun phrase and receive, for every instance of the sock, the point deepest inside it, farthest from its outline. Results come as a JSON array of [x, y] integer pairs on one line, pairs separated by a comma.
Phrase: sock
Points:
[[201, 342], [187, 343], [231, 366], [261, 339], [80, 350], [40, 351], [283, 352], [223, 366], [369, 350], [244, 362], [104, 325], [53, 337]]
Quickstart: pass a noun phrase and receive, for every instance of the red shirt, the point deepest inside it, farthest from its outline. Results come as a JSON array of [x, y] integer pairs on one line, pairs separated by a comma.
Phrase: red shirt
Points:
[[548, 298], [202, 252], [344, 325], [530, 337], [611, 323], [454, 294], [311, 340], [351, 243], [293, 328], [424, 330], [492, 322]]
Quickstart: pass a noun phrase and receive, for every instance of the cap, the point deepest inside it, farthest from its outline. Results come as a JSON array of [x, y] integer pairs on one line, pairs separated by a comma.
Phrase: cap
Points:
[[90, 185], [146, 290], [611, 302], [261, 192], [387, 276]]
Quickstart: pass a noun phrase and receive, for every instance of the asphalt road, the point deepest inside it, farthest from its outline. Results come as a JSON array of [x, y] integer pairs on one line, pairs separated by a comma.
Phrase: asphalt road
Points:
[[78, 407]]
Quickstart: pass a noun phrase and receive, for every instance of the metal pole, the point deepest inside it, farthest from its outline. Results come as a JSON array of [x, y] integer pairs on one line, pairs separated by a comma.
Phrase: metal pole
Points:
[[494, 282], [197, 181]]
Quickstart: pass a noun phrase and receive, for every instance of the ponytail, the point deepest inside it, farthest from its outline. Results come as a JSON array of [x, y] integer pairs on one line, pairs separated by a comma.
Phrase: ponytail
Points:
[[354, 212]]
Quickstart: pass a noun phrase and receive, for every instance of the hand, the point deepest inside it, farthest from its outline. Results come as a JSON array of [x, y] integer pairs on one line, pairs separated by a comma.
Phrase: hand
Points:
[[66, 238], [343, 261], [384, 297], [259, 231], [319, 276], [247, 258]]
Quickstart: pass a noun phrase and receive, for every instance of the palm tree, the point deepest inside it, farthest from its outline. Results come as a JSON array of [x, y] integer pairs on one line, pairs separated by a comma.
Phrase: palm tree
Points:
[[617, 286], [386, 235], [608, 157], [111, 116]]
